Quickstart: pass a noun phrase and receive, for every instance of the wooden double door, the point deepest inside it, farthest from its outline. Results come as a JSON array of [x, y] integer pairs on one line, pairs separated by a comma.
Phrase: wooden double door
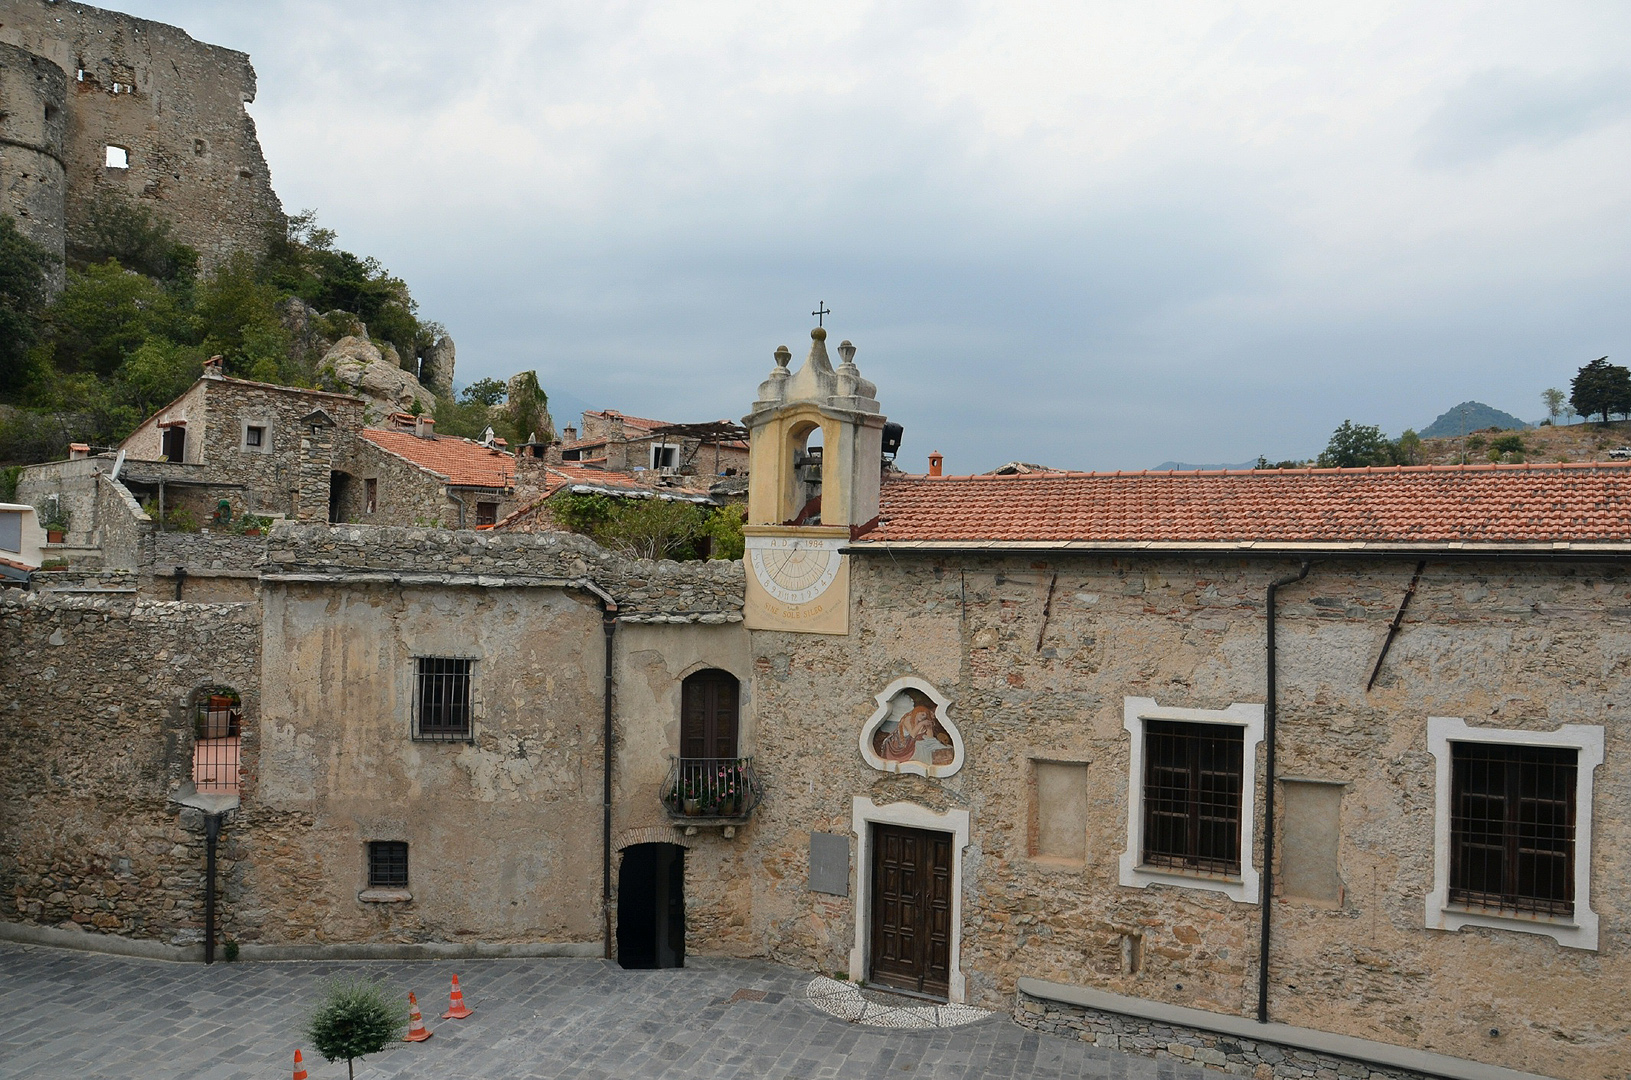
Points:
[[911, 909]]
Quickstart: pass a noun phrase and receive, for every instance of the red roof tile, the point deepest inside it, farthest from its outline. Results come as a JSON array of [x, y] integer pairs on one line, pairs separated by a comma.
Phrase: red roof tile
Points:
[[458, 461], [1584, 503]]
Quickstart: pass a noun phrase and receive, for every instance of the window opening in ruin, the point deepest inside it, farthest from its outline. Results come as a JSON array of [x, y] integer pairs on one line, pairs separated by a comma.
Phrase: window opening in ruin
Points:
[[664, 457], [1192, 788], [571, 455], [199, 147], [255, 436], [441, 699], [174, 443], [1512, 823], [217, 740], [387, 864], [370, 496], [118, 157]]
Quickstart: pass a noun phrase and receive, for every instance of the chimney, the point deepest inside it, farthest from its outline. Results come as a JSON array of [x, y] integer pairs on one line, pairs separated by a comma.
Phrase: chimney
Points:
[[212, 367], [935, 461], [78, 450], [424, 427], [569, 434]]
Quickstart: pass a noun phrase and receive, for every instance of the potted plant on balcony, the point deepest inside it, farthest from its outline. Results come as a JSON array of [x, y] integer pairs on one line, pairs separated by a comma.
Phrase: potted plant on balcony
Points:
[[728, 789], [55, 523], [251, 525]]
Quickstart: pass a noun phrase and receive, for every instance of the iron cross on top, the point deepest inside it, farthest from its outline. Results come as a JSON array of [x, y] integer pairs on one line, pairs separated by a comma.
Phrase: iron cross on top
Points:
[[821, 311]]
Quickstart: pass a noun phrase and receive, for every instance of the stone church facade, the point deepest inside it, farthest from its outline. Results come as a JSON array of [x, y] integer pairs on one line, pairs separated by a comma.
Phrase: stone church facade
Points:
[[1023, 742]]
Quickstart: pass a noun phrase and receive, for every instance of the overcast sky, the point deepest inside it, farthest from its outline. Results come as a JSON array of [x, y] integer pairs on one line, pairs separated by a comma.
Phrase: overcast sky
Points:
[[1095, 235]]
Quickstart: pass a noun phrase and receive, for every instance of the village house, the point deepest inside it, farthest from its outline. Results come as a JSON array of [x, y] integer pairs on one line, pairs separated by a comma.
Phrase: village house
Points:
[[1292, 772], [623, 443]]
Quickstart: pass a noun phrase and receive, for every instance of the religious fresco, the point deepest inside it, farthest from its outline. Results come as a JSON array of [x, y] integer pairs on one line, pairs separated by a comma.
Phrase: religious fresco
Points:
[[911, 732]]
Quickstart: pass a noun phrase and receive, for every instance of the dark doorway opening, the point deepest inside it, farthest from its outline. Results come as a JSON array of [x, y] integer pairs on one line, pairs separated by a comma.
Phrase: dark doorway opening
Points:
[[339, 486], [174, 443], [911, 909], [651, 907]]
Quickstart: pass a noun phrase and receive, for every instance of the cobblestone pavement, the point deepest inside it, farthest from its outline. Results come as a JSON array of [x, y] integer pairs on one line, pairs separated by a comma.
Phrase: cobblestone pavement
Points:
[[87, 1016]]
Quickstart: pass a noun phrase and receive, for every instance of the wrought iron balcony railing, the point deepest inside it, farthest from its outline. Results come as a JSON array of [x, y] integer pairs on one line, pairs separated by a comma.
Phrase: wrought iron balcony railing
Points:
[[711, 789]]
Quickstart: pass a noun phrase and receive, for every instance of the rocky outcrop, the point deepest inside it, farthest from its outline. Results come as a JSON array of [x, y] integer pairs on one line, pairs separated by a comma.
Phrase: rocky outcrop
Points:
[[436, 366], [355, 366]]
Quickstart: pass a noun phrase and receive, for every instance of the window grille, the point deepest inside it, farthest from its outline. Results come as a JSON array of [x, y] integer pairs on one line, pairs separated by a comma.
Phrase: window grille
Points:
[[1192, 792], [441, 699], [387, 864], [217, 739], [1512, 827]]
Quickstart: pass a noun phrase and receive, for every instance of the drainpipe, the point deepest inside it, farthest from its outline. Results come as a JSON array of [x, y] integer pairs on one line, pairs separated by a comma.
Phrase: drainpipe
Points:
[[212, 833], [1270, 715], [608, 622], [455, 497]]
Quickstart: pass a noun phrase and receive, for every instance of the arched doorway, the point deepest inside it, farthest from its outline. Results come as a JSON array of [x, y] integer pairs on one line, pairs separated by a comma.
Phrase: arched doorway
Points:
[[651, 907]]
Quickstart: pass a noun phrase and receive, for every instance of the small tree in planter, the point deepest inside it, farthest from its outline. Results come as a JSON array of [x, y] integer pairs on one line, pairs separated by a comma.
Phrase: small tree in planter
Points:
[[357, 1016], [54, 520]]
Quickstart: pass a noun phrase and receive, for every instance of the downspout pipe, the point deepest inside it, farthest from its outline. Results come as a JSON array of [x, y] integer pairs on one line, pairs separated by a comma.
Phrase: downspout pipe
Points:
[[608, 623], [1270, 726], [212, 834]]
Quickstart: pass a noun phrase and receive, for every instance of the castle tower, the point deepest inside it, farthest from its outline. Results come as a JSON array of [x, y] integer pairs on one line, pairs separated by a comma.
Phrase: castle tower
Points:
[[33, 129], [815, 466]]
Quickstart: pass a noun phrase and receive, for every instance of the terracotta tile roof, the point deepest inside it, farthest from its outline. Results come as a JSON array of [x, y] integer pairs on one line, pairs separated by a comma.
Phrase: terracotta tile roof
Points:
[[458, 461], [628, 421], [1433, 504]]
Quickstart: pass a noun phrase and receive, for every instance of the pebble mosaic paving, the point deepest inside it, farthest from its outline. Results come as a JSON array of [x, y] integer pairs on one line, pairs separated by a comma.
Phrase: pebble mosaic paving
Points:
[[87, 1016]]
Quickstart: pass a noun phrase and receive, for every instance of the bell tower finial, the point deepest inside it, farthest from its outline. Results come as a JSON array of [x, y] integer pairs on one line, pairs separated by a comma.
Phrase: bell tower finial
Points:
[[815, 454]]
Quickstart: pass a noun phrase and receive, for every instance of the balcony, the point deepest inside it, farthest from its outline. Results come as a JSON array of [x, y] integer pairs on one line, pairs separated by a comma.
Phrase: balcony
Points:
[[708, 791]]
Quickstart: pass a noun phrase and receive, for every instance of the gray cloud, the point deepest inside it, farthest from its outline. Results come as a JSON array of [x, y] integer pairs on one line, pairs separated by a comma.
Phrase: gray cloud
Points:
[[1504, 108], [1094, 238]]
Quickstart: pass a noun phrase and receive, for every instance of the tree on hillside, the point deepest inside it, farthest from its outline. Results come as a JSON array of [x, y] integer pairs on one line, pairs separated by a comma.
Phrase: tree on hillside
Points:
[[1601, 388], [1356, 445], [25, 270], [1553, 399]]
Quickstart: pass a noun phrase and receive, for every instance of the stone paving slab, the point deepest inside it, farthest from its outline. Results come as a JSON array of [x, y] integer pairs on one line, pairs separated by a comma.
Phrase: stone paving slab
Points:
[[85, 1016]]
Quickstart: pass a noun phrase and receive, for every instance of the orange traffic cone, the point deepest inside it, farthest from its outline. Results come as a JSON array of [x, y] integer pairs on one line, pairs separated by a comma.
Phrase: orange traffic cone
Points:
[[417, 1032], [299, 1066], [455, 1003]]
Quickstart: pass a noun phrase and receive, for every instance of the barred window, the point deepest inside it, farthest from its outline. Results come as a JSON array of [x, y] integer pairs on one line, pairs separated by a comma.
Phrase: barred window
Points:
[[387, 864], [441, 699], [1192, 796], [1512, 822]]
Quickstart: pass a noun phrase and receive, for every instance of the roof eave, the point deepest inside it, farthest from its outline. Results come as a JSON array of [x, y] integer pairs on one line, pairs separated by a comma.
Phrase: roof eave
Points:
[[1559, 549]]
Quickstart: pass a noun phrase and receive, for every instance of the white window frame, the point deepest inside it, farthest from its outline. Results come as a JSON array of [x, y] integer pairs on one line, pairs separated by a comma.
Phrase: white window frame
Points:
[[1578, 932], [1243, 889], [662, 450], [266, 435]]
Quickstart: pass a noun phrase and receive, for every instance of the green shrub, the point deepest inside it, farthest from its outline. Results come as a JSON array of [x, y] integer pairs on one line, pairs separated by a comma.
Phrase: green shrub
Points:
[[357, 1016]]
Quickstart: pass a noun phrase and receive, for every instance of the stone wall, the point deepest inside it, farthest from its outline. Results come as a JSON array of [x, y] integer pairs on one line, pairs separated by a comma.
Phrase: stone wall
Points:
[[176, 105], [406, 494], [33, 131], [95, 737], [1037, 667], [1259, 1059], [121, 524], [73, 482], [645, 590]]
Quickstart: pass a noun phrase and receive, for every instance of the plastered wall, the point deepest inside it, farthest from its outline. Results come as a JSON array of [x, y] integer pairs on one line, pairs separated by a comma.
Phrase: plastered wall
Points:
[[1508, 645]]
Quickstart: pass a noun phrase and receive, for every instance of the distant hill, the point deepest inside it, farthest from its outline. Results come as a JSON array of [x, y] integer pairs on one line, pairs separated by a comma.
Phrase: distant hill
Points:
[[1476, 417], [1184, 466]]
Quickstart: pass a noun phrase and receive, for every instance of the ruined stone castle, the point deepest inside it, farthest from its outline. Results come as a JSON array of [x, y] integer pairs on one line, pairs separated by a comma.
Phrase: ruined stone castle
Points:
[[94, 101]]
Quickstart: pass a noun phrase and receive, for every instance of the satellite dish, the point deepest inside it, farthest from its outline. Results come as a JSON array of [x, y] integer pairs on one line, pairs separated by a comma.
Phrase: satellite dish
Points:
[[118, 463]]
